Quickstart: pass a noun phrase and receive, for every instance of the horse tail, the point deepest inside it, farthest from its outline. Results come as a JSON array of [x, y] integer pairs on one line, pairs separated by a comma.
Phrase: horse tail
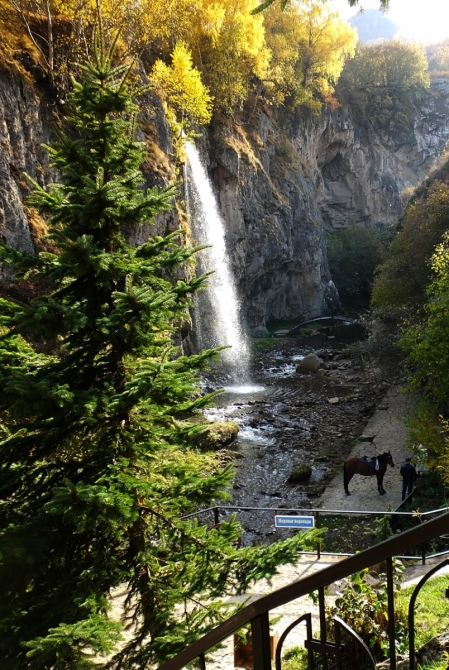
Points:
[[345, 479]]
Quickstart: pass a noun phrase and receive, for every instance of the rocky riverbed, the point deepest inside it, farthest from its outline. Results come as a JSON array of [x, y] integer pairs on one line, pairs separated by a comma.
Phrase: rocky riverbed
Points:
[[288, 420]]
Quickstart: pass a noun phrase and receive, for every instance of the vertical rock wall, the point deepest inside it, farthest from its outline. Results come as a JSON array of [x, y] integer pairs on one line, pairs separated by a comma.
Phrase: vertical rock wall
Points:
[[281, 179], [364, 172], [275, 231], [24, 126]]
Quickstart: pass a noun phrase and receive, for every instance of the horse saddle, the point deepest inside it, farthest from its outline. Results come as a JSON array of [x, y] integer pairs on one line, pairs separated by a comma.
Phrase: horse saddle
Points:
[[372, 463]]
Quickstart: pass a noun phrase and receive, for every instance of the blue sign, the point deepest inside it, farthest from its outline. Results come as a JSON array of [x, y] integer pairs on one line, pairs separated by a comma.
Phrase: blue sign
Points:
[[294, 522]]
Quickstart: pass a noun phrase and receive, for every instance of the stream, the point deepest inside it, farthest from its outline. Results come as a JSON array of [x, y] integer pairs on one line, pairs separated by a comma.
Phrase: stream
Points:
[[287, 419]]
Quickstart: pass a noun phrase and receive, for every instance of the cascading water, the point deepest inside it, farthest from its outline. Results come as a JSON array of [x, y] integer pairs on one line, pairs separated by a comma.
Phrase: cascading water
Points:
[[219, 322]]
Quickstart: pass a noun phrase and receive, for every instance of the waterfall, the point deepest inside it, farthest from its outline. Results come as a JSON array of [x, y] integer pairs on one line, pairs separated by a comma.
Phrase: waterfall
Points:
[[219, 309]]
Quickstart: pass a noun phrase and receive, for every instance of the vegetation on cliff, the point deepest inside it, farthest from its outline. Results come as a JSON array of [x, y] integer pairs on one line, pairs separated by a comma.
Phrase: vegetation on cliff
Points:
[[404, 277], [295, 56], [309, 46], [98, 462], [379, 84], [410, 297], [438, 57]]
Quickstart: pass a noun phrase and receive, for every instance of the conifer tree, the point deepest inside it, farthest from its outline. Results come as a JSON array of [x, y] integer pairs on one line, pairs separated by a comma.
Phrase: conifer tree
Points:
[[97, 463]]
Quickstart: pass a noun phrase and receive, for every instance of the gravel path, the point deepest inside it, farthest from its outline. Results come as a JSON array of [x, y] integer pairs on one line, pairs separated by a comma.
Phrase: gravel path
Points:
[[388, 433]]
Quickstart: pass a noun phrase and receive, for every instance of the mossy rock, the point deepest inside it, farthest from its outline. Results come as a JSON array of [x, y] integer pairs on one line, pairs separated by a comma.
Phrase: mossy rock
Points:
[[217, 435], [300, 473]]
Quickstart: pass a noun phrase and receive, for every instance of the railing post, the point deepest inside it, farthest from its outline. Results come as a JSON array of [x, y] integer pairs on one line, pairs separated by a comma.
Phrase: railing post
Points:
[[338, 653], [423, 554], [317, 525], [257, 612], [323, 633], [391, 627], [260, 630], [216, 517]]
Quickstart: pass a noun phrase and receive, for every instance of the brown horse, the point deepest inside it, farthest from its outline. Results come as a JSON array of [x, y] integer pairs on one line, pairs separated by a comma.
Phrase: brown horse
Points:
[[367, 467]]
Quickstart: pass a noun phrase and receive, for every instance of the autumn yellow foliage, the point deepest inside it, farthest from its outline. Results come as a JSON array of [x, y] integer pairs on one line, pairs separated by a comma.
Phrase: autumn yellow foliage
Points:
[[204, 49], [309, 46], [180, 86]]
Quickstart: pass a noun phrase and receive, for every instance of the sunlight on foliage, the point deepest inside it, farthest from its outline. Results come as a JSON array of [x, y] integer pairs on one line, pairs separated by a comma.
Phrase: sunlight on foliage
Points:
[[181, 87], [309, 45], [98, 462], [293, 57], [379, 82], [406, 272]]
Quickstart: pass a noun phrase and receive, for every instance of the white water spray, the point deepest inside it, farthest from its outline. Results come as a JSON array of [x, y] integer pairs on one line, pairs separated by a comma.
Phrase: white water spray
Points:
[[222, 297]]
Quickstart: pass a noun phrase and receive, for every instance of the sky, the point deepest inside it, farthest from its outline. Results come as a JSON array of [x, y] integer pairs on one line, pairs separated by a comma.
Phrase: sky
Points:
[[425, 21]]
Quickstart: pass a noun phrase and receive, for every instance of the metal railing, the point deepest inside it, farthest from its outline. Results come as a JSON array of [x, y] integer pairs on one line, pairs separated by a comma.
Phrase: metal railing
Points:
[[257, 613], [318, 514]]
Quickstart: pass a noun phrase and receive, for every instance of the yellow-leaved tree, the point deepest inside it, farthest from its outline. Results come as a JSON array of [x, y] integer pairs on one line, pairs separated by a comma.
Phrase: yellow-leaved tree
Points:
[[295, 56], [229, 46], [264, 4], [57, 33], [179, 85], [309, 46], [53, 30]]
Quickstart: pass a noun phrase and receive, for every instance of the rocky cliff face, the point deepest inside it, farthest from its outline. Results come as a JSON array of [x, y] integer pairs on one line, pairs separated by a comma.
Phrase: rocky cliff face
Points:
[[275, 230], [27, 117], [24, 126], [280, 179], [364, 171]]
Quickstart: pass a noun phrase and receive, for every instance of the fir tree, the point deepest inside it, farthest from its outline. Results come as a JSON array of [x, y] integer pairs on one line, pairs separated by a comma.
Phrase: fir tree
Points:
[[96, 459]]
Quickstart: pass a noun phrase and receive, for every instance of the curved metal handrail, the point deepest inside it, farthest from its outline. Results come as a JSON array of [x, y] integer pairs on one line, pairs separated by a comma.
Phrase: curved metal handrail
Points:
[[339, 623], [380, 552], [305, 617], [411, 610]]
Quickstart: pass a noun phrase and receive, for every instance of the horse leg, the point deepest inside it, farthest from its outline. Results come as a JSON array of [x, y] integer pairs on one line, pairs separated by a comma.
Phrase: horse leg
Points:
[[380, 487], [346, 479]]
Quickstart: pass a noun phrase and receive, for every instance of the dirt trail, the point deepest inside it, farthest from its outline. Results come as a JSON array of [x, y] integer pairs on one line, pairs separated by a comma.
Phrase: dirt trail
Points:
[[388, 431]]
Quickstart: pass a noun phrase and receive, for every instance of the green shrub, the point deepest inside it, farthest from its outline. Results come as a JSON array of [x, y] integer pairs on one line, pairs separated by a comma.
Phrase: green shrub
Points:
[[365, 610], [380, 82], [300, 473], [406, 273], [354, 253], [431, 609]]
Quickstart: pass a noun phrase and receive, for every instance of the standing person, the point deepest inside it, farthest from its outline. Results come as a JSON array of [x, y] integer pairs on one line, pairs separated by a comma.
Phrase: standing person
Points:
[[408, 474]]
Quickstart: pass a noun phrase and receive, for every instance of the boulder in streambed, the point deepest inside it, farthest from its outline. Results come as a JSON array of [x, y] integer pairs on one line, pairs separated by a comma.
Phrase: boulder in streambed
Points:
[[217, 435], [309, 363]]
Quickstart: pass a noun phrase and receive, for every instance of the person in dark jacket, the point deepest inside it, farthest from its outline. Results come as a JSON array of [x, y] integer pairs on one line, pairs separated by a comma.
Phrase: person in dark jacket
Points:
[[408, 474]]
